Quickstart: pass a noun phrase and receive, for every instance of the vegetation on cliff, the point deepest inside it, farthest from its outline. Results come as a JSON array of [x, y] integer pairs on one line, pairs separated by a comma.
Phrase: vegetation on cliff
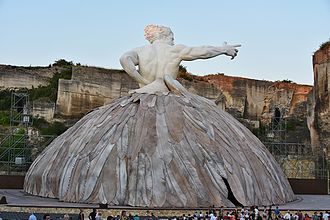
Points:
[[46, 93], [184, 74], [46, 128], [50, 91], [325, 45]]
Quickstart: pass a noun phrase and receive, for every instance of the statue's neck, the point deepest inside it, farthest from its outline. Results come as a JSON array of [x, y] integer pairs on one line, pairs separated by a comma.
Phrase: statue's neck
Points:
[[163, 41]]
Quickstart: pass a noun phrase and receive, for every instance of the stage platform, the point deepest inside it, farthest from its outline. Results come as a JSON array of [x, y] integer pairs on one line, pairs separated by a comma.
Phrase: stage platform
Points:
[[17, 198]]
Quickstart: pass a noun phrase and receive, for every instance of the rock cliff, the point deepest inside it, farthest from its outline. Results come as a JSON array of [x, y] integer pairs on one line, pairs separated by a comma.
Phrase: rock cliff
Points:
[[91, 87], [319, 120], [25, 77], [255, 99], [250, 100]]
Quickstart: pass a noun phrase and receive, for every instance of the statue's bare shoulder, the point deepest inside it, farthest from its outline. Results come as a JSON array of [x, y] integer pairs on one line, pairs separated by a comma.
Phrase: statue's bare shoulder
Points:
[[158, 62]]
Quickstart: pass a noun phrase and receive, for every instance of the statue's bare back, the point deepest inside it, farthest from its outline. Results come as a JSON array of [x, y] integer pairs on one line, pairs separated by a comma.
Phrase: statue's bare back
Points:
[[154, 65], [159, 62]]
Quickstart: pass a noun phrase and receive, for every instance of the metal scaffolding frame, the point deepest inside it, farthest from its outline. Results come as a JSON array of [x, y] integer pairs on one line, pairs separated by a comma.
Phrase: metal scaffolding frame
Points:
[[276, 129], [299, 160], [14, 150]]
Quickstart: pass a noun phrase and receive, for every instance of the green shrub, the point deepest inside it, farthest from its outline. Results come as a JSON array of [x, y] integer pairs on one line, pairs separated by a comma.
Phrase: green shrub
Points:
[[15, 138], [63, 62], [287, 81], [50, 91], [324, 45], [5, 99], [4, 118], [291, 125], [183, 73], [55, 128]]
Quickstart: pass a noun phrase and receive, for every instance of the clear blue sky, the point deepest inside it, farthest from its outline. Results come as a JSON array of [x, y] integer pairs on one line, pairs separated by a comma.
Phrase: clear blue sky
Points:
[[278, 37]]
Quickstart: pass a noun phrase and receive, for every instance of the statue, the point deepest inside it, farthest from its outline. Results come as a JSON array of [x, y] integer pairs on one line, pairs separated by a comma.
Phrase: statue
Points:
[[159, 62], [160, 146]]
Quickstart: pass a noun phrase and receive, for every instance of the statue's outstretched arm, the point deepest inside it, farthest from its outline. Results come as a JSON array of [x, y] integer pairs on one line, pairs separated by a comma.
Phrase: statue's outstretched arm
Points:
[[128, 61], [205, 52]]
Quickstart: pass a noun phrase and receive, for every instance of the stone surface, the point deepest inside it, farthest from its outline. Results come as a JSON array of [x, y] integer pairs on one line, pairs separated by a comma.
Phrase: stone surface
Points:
[[25, 77], [158, 151], [258, 98], [319, 120], [43, 109], [91, 87], [244, 98]]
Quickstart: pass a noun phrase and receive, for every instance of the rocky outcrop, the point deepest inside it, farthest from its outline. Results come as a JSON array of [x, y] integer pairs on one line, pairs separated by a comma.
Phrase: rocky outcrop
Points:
[[249, 100], [25, 77], [319, 120], [43, 109], [91, 87], [256, 99]]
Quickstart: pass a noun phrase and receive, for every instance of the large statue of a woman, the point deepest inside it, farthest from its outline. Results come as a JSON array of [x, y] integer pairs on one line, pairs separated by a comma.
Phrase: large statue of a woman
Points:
[[161, 146]]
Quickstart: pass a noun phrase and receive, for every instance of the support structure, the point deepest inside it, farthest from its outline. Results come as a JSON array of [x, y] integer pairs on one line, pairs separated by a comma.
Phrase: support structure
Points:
[[14, 150], [276, 129]]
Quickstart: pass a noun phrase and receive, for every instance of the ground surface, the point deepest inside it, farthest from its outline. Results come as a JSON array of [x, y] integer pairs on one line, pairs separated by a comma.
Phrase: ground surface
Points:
[[18, 199]]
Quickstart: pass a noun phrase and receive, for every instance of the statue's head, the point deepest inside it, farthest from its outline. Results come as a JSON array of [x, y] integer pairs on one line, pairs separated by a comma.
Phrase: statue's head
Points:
[[157, 32]]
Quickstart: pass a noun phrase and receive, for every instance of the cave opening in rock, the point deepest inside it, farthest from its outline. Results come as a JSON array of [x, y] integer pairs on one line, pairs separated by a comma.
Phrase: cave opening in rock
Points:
[[231, 196]]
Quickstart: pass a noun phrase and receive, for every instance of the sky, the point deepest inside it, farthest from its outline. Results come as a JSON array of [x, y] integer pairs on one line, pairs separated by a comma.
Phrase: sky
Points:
[[278, 38]]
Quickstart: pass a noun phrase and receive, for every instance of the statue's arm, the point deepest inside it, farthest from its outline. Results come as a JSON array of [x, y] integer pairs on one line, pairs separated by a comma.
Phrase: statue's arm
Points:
[[205, 52], [128, 61], [174, 85]]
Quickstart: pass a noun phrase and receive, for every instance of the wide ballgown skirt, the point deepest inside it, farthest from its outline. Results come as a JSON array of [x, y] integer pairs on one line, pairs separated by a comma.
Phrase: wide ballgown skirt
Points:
[[158, 150]]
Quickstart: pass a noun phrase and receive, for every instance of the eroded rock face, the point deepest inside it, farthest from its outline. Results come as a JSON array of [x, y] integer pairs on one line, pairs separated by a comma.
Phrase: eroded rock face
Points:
[[245, 98], [25, 77], [258, 98], [319, 121], [91, 87], [159, 150]]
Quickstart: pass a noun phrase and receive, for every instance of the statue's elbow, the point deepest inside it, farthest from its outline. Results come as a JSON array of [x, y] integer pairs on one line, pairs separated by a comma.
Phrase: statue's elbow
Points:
[[123, 60]]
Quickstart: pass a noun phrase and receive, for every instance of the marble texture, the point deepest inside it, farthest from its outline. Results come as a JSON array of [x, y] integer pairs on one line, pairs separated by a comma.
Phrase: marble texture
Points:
[[158, 150]]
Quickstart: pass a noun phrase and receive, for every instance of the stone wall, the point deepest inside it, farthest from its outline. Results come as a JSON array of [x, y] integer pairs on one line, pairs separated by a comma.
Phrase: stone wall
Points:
[[319, 121]]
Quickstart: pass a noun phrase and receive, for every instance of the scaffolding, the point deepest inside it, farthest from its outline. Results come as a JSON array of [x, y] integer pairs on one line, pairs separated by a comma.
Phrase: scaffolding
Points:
[[299, 160], [276, 129], [14, 149]]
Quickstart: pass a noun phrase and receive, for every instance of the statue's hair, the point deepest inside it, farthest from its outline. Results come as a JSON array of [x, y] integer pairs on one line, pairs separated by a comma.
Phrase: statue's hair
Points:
[[154, 32]]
